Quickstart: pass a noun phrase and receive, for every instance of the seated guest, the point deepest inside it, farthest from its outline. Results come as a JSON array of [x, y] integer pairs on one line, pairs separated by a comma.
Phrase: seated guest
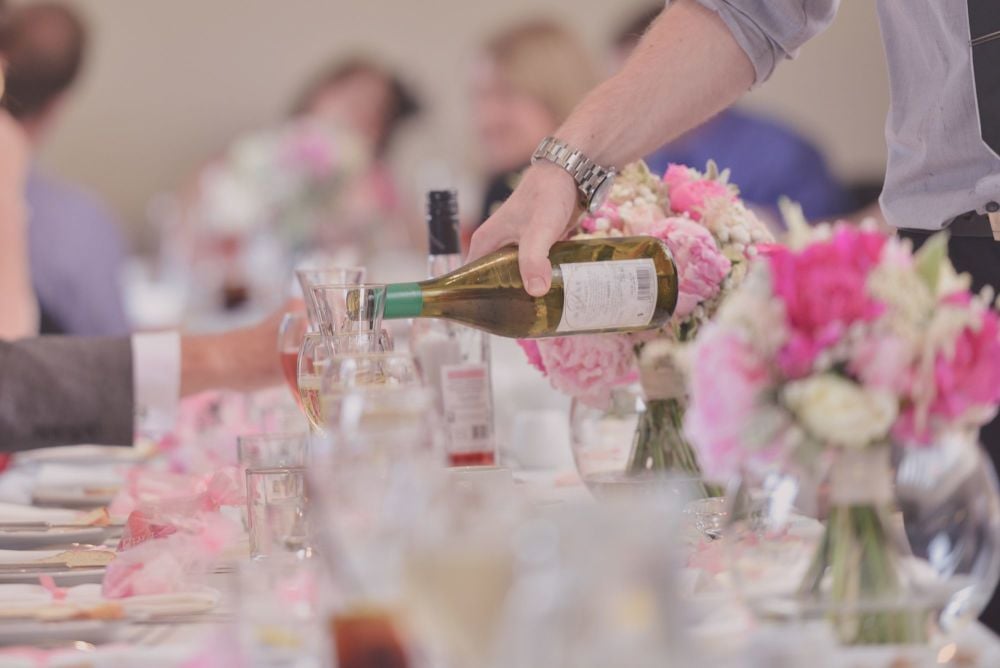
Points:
[[75, 244], [18, 308], [370, 99], [57, 390], [766, 158], [526, 81]]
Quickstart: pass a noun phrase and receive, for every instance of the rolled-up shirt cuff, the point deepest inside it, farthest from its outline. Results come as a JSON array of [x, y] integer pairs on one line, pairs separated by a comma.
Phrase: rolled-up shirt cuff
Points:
[[156, 380]]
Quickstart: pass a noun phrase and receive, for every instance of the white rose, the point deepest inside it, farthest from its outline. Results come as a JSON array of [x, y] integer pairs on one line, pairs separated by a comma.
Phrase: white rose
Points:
[[841, 412]]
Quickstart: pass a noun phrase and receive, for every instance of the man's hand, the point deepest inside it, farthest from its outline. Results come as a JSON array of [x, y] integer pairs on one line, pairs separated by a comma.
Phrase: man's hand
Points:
[[686, 68], [537, 214], [244, 359]]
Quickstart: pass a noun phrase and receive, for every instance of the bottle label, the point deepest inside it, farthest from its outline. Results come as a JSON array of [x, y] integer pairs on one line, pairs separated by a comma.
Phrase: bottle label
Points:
[[465, 400], [608, 295]]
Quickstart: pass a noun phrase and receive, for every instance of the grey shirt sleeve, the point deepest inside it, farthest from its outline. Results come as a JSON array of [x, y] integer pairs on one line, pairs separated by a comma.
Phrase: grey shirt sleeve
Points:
[[773, 30], [65, 390]]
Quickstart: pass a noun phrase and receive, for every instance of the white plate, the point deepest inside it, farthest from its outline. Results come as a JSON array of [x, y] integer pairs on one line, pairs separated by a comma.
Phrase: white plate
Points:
[[63, 578], [16, 512], [54, 633], [71, 497], [19, 539], [85, 455]]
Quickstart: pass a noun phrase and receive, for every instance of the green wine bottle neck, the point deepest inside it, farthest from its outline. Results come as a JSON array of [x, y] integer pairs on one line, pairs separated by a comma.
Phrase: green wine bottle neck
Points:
[[403, 300]]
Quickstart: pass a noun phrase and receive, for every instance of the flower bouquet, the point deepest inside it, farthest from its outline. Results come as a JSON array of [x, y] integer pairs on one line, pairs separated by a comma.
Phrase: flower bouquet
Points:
[[290, 177], [712, 236], [833, 351]]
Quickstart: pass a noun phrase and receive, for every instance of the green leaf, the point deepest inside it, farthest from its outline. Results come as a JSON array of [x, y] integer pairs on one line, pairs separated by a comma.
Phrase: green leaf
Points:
[[930, 259]]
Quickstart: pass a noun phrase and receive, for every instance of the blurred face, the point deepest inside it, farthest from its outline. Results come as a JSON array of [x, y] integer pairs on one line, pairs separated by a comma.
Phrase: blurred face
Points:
[[508, 122], [360, 101]]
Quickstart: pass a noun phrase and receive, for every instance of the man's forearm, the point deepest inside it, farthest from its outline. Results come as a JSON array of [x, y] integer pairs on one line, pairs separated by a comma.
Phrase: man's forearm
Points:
[[687, 68]]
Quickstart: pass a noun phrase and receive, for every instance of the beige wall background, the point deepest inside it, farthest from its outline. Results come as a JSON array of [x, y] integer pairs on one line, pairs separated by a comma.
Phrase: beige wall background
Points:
[[169, 82]]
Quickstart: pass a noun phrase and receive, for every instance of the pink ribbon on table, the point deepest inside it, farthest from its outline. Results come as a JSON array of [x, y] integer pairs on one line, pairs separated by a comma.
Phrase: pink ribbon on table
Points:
[[58, 593]]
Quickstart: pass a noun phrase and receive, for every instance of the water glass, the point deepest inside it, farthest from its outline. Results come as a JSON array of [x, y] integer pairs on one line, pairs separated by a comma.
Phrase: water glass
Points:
[[278, 613], [349, 308], [266, 451], [277, 503]]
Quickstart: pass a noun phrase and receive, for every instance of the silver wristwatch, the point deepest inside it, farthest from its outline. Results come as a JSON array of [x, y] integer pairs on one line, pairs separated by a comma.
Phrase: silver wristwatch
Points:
[[592, 180]]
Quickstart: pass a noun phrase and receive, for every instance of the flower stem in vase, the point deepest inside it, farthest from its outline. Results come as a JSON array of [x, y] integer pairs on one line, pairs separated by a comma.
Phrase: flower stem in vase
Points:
[[857, 567], [659, 444]]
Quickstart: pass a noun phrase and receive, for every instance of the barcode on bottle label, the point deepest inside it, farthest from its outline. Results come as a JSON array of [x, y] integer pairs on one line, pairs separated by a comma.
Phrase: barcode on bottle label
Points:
[[466, 402], [608, 295]]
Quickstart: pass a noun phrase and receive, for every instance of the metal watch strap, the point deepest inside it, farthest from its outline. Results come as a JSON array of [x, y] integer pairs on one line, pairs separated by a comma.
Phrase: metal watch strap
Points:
[[587, 174]]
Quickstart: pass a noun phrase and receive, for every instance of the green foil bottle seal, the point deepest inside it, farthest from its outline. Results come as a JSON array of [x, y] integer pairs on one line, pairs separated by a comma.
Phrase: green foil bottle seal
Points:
[[403, 300]]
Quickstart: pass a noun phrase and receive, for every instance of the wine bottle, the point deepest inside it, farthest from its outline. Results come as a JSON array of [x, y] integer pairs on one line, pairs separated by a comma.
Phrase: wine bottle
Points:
[[598, 285], [454, 360]]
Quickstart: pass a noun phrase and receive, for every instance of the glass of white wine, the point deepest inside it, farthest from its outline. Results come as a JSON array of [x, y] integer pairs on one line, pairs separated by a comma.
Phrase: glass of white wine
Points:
[[370, 386]]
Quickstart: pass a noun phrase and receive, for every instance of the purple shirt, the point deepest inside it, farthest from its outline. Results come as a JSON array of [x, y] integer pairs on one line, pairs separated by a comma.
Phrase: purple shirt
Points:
[[77, 250], [767, 159]]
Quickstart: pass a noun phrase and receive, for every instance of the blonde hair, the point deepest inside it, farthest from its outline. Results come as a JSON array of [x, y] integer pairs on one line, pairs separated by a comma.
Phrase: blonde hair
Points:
[[545, 61]]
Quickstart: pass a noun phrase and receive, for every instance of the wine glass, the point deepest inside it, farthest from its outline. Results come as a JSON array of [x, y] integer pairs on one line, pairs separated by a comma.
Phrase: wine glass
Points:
[[310, 277], [314, 355], [376, 387], [291, 334]]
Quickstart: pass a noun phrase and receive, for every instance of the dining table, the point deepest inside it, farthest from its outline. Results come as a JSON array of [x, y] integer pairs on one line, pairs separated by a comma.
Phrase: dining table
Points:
[[41, 486]]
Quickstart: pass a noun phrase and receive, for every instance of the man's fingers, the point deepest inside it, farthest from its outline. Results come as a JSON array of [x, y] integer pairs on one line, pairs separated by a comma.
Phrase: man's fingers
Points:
[[533, 257], [490, 236]]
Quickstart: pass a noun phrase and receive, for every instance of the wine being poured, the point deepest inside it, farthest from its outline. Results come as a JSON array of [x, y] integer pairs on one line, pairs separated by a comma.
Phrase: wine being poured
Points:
[[598, 285]]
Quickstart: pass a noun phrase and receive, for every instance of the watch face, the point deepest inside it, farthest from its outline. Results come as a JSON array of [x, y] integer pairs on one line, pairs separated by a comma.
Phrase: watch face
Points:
[[601, 193]]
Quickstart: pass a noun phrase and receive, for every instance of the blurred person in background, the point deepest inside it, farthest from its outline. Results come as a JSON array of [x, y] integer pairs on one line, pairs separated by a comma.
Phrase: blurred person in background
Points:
[[525, 82], [767, 158], [18, 308], [76, 246], [61, 390], [316, 182], [373, 101]]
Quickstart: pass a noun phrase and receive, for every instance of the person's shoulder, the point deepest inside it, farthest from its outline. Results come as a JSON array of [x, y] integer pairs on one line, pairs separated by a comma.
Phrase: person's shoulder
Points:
[[765, 129], [47, 192]]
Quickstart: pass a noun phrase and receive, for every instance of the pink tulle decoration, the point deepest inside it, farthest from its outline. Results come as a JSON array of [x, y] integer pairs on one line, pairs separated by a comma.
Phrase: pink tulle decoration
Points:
[[170, 563]]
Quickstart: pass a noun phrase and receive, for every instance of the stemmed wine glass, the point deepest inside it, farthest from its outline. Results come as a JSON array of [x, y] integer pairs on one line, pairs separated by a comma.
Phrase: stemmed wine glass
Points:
[[291, 334]]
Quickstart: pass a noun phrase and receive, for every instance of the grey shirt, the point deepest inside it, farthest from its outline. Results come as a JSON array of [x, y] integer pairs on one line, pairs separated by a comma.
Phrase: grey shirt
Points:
[[938, 165]]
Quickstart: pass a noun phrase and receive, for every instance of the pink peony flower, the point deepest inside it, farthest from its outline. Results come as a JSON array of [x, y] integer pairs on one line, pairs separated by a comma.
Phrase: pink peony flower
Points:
[[823, 290], [534, 355], [701, 266], [970, 376], [689, 190], [587, 367], [884, 363], [605, 219], [727, 390]]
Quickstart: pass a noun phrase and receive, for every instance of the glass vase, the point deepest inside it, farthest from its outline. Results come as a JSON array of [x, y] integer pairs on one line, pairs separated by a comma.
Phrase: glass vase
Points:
[[633, 442], [889, 546]]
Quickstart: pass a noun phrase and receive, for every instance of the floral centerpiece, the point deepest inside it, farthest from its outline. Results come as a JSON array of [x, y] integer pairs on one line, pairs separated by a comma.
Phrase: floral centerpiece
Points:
[[712, 236], [288, 177], [832, 350]]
